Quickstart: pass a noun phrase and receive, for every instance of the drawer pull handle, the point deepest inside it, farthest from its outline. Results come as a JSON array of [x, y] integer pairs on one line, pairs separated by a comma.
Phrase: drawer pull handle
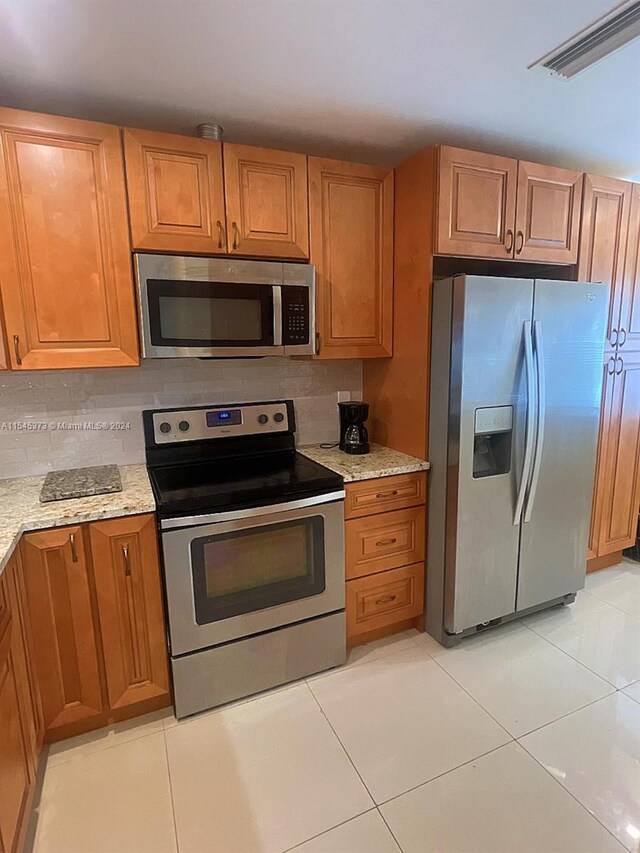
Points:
[[386, 542], [74, 552], [520, 245], [386, 599], [127, 561], [390, 494]]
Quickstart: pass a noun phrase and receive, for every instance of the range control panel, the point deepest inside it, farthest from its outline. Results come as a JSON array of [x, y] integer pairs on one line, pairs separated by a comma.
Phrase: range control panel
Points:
[[219, 422]]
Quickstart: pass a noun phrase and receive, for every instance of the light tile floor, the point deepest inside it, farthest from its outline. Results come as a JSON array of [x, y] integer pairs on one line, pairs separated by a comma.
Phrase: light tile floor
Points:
[[525, 739]]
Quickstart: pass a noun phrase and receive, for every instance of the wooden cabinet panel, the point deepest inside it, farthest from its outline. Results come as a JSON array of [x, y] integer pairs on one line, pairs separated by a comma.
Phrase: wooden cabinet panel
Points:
[[368, 497], [351, 222], [59, 600], [384, 541], [476, 204], [175, 191], [601, 461], [605, 222], [629, 322], [129, 593], [267, 202], [65, 265], [24, 662], [620, 480], [383, 599], [4, 358], [548, 211]]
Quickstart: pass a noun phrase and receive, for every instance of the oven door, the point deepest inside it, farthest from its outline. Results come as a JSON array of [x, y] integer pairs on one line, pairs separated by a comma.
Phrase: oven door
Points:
[[207, 307], [246, 572]]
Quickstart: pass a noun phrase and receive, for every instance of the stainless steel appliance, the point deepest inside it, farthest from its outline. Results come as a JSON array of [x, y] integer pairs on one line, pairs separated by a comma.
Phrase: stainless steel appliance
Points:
[[252, 536], [516, 378], [223, 307], [354, 437]]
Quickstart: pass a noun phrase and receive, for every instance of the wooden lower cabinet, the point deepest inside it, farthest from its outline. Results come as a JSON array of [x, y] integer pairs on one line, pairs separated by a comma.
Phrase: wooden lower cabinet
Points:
[[129, 594], [384, 599], [20, 736], [95, 601], [385, 532]]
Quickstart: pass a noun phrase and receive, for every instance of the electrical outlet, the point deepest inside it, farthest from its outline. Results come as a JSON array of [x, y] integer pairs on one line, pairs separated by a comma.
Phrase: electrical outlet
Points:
[[344, 396]]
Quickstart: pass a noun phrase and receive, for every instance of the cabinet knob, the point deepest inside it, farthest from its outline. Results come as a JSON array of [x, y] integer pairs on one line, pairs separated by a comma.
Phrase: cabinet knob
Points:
[[74, 552], [509, 243], [16, 348], [520, 245], [127, 561]]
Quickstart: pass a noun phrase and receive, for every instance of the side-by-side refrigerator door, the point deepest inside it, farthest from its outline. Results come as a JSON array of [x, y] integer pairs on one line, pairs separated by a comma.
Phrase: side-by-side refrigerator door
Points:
[[491, 324], [569, 321]]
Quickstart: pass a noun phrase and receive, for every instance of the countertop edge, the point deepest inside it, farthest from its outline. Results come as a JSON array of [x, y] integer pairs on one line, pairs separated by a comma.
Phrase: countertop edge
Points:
[[404, 465]]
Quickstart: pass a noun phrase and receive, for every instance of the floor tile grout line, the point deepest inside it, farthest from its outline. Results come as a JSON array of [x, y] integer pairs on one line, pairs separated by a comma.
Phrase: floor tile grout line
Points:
[[100, 749], [386, 823], [572, 795], [173, 804], [568, 714], [324, 831]]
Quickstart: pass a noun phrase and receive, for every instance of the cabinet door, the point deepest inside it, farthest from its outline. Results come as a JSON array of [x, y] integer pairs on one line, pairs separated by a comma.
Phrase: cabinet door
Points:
[[174, 186], [26, 678], [548, 214], [476, 204], [629, 324], [266, 198], [4, 359], [621, 479], [59, 601], [351, 218], [608, 382], [127, 574], [65, 264], [605, 225]]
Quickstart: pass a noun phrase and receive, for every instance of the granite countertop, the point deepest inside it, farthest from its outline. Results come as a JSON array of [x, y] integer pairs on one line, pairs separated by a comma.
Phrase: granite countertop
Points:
[[380, 462], [21, 509]]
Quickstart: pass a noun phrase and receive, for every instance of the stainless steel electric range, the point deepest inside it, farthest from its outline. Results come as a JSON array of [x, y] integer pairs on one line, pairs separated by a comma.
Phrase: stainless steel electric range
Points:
[[252, 536]]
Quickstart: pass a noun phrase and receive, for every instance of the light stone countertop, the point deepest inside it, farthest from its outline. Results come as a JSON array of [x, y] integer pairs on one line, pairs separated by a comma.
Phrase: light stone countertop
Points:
[[380, 462], [21, 510]]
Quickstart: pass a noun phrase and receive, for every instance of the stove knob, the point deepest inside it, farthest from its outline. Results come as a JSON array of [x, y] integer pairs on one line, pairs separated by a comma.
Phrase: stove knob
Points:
[[165, 426], [184, 426], [278, 417], [263, 419]]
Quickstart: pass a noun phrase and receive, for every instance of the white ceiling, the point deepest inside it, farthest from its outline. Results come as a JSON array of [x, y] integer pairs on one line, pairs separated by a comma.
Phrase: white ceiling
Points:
[[369, 79]]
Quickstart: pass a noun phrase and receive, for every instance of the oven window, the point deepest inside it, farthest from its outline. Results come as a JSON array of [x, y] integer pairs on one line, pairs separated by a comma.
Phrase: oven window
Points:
[[250, 569], [209, 314]]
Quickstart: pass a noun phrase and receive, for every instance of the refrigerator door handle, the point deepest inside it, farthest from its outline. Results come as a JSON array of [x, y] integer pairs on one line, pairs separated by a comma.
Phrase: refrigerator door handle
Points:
[[542, 399], [531, 422]]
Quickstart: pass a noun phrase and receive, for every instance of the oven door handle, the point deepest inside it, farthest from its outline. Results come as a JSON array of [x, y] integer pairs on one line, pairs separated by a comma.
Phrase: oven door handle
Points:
[[253, 512]]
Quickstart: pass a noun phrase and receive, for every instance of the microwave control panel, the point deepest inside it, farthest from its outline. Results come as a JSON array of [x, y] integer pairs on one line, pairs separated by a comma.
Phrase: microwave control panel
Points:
[[295, 315]]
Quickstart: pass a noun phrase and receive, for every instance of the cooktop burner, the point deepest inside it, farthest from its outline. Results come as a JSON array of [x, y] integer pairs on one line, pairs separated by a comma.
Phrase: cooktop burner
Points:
[[216, 458]]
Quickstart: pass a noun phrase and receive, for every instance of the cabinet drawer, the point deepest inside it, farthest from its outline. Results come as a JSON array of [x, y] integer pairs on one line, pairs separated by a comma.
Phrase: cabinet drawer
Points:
[[380, 600], [371, 496], [384, 541]]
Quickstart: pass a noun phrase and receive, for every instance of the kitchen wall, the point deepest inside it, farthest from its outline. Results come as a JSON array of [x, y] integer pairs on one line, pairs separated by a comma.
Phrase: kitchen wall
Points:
[[51, 400]]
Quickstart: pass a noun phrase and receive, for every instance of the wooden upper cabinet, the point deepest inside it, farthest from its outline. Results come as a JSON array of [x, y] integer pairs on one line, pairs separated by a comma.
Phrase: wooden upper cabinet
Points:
[[64, 636], [351, 219], [266, 200], [605, 225], [129, 594], [476, 204], [175, 190], [629, 321], [547, 214], [65, 264], [619, 478]]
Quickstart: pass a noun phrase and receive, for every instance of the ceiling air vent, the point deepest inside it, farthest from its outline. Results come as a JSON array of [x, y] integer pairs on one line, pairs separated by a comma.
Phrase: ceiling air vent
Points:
[[592, 44]]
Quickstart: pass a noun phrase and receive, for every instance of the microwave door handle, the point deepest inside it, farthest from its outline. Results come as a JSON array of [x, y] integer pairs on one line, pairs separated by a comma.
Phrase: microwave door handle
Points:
[[277, 315], [531, 422]]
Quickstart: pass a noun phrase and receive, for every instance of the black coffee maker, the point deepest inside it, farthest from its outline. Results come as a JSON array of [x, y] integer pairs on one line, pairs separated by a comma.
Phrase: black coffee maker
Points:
[[354, 437]]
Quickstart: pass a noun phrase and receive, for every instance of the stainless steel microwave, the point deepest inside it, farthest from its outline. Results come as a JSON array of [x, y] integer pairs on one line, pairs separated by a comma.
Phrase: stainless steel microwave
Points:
[[223, 308]]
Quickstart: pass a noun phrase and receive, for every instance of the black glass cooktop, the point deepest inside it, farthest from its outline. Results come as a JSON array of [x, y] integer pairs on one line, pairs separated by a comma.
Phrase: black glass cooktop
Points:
[[223, 484]]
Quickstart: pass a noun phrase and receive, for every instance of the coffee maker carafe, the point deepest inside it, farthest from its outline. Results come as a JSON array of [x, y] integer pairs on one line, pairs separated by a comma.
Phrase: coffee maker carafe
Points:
[[354, 437]]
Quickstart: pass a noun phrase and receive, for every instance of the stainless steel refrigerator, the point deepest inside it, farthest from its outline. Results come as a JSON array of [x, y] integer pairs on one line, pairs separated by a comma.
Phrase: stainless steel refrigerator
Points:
[[516, 380]]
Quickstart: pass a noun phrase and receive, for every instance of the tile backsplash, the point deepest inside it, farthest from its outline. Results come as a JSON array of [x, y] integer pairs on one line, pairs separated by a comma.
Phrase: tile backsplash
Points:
[[53, 400]]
